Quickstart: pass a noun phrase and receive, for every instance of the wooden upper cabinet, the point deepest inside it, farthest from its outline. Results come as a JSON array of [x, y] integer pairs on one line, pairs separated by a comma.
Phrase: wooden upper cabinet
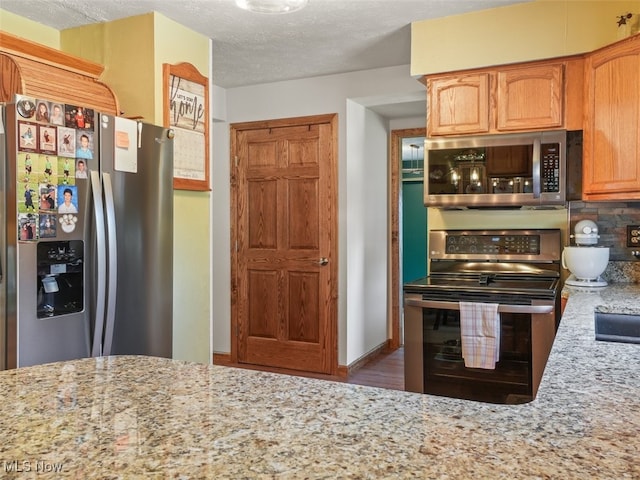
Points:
[[458, 104], [528, 96], [611, 146]]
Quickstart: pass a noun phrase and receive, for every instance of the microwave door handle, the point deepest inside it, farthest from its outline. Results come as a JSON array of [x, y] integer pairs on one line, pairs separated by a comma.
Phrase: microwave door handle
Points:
[[536, 168], [502, 308]]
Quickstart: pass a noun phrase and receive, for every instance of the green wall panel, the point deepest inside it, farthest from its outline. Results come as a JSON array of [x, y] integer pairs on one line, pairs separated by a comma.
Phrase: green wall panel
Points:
[[414, 232]]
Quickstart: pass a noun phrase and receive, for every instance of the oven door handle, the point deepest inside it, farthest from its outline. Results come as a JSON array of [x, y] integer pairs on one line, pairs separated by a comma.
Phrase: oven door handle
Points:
[[502, 308]]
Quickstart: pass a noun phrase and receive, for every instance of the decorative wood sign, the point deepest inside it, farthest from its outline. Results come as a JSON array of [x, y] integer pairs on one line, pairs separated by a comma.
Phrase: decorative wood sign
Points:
[[186, 110]]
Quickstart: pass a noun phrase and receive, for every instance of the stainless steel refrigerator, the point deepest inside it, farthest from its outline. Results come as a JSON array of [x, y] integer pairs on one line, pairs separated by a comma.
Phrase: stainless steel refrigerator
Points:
[[86, 251]]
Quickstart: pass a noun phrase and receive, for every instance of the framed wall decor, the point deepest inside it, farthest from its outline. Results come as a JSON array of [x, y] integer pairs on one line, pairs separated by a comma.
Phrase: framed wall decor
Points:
[[186, 111]]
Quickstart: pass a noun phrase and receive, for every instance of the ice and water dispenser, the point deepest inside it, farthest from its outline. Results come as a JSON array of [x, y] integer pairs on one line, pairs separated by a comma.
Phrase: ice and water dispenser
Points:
[[60, 278]]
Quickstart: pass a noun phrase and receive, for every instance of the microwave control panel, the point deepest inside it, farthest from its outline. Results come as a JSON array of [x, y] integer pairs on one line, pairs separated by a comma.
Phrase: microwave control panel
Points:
[[550, 158]]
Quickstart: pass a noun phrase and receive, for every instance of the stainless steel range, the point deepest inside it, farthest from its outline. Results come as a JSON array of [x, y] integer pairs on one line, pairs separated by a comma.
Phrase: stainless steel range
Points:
[[517, 270]]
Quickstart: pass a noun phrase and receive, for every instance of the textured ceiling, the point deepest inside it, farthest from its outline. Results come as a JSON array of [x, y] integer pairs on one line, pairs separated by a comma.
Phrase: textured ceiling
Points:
[[327, 37]]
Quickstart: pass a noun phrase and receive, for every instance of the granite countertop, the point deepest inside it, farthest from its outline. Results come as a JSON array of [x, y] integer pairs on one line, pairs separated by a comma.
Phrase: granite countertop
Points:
[[141, 417]]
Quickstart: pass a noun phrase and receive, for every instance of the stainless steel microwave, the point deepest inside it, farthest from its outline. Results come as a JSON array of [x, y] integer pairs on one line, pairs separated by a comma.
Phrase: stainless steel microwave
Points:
[[509, 170]]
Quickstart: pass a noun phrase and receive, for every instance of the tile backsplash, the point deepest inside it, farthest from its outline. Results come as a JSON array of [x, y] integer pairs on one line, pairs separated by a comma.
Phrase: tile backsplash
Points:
[[612, 219]]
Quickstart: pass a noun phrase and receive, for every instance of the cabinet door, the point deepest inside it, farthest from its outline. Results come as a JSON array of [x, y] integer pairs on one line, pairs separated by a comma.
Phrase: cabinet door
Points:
[[530, 98], [611, 161], [458, 104]]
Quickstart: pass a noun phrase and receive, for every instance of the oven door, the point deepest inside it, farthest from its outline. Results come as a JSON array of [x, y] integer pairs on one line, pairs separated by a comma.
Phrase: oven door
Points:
[[433, 353]]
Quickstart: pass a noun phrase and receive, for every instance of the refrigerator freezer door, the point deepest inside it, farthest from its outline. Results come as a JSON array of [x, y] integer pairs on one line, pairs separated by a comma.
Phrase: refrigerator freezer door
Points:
[[44, 310], [62, 336]]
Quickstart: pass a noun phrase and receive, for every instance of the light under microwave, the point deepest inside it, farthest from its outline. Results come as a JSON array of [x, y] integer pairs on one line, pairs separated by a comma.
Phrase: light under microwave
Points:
[[509, 170]]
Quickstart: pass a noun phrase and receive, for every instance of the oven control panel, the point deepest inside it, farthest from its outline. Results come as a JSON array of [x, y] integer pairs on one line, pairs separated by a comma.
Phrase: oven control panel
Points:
[[494, 244], [530, 245]]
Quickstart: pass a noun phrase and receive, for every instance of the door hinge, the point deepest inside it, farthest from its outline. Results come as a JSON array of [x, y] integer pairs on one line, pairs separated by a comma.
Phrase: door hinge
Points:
[[236, 159]]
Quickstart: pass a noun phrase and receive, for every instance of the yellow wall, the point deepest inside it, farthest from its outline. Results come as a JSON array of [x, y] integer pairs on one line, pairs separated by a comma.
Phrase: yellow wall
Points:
[[175, 43], [192, 214], [126, 49], [132, 51], [25, 28], [515, 33]]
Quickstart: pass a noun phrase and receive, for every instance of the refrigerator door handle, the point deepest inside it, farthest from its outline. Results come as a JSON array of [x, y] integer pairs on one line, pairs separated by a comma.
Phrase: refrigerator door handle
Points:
[[101, 264], [113, 263]]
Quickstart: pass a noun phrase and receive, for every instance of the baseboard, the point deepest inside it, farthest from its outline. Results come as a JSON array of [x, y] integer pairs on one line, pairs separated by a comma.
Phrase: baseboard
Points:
[[367, 357], [222, 359]]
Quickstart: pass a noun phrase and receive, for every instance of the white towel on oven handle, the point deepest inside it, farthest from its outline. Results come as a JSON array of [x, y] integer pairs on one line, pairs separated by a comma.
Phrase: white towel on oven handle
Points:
[[480, 334]]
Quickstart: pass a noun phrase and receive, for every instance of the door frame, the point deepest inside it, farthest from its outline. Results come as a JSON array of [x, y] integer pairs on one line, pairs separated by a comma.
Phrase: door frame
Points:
[[395, 181], [234, 128]]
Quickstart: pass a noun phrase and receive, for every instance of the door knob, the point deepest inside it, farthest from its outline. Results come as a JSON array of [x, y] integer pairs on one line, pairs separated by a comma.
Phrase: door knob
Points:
[[323, 261]]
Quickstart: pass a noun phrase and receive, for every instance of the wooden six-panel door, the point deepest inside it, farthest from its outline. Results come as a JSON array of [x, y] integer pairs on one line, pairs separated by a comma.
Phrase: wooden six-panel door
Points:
[[284, 228]]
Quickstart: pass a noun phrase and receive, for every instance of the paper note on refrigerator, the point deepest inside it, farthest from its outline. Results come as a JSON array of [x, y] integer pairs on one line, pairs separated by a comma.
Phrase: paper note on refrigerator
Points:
[[122, 139], [126, 151]]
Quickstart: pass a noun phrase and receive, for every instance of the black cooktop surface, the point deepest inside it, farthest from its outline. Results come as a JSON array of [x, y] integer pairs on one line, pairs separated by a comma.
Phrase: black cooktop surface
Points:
[[485, 285]]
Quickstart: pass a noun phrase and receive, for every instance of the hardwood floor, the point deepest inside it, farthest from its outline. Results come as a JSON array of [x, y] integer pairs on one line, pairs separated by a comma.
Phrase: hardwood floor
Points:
[[385, 370]]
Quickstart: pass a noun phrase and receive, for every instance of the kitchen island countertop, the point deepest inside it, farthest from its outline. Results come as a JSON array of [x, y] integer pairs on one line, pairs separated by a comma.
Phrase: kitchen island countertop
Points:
[[141, 417]]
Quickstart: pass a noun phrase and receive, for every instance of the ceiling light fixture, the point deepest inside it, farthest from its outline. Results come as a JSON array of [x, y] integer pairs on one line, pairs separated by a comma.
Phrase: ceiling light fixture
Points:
[[271, 6]]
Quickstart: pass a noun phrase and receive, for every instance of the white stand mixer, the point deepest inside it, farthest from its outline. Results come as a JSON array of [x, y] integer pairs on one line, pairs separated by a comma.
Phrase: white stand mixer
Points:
[[585, 261]]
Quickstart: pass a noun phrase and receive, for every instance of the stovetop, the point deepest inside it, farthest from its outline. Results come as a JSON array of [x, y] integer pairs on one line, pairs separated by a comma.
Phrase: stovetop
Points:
[[491, 264], [481, 287]]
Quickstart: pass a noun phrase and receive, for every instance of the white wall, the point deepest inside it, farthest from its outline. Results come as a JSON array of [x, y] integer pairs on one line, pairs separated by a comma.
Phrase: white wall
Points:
[[408, 122], [220, 330], [367, 263], [360, 192]]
